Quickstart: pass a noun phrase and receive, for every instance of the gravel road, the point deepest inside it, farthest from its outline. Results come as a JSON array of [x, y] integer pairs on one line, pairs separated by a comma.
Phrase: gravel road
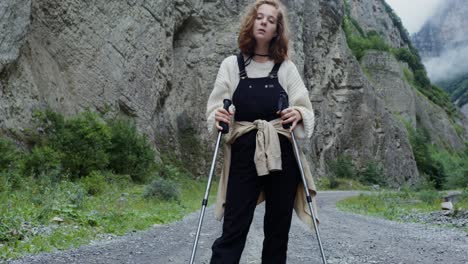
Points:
[[347, 238]]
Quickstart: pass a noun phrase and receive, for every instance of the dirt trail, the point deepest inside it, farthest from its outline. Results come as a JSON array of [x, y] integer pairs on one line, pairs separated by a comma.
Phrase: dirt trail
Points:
[[347, 238]]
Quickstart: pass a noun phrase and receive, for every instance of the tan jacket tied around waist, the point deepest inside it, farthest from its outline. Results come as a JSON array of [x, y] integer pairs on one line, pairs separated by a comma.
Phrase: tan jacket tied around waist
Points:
[[267, 159]]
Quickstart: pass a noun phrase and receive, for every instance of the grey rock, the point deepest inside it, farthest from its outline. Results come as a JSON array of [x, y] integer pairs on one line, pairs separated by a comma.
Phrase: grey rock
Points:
[[446, 205], [14, 25], [372, 15]]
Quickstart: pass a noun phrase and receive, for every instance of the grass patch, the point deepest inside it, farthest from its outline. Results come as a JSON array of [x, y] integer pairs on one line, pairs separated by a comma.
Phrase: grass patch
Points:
[[395, 206], [26, 225]]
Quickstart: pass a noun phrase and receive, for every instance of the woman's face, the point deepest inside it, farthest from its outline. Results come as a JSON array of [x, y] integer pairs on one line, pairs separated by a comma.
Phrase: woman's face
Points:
[[264, 28]]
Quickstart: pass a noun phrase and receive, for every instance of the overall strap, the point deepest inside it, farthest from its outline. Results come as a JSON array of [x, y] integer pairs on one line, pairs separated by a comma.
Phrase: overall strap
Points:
[[274, 72], [241, 64]]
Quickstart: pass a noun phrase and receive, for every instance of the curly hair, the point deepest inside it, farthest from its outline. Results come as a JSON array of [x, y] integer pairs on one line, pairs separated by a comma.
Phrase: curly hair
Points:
[[278, 49]]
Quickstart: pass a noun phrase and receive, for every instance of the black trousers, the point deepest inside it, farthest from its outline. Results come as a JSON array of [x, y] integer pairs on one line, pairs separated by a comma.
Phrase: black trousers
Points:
[[244, 187]]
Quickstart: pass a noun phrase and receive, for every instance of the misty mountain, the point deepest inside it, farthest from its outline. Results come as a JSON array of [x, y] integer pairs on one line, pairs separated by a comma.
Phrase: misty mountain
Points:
[[443, 45]]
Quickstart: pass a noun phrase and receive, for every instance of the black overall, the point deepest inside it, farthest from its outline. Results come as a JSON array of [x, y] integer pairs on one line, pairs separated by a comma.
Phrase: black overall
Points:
[[257, 98]]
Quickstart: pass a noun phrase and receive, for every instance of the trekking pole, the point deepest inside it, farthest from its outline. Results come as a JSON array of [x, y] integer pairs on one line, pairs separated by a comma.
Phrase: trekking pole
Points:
[[283, 104], [225, 130]]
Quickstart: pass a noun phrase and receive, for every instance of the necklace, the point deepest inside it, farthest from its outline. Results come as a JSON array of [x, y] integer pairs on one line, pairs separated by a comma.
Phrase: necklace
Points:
[[262, 55]]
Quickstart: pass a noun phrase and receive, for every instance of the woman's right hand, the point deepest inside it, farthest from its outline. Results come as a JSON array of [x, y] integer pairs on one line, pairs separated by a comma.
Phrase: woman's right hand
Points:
[[221, 115]]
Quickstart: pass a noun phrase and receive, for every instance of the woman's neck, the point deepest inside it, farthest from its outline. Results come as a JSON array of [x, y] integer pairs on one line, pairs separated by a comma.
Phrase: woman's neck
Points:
[[262, 50]]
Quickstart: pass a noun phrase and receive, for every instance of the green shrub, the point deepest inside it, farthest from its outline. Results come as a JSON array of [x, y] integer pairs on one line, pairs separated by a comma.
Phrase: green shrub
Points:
[[343, 167], [10, 228], [94, 183], [43, 161], [373, 174], [162, 189], [84, 142], [455, 166], [333, 183], [429, 196], [48, 127], [130, 152], [421, 79], [9, 155], [87, 143], [168, 170], [420, 142]]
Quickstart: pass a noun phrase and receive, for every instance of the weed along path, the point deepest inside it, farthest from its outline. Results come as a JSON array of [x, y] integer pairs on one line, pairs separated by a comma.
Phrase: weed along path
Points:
[[347, 238]]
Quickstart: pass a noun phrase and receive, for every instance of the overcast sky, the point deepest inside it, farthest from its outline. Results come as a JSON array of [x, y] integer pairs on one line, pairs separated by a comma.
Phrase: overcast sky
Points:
[[413, 13]]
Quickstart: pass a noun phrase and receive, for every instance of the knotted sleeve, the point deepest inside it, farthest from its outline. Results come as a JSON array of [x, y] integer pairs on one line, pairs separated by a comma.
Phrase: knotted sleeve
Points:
[[299, 100], [219, 93]]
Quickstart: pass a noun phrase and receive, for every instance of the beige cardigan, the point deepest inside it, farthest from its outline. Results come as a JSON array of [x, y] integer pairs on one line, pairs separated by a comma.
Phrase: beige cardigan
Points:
[[289, 78]]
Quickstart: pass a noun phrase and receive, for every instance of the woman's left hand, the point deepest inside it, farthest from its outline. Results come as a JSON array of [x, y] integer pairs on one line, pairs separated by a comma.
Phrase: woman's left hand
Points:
[[290, 115]]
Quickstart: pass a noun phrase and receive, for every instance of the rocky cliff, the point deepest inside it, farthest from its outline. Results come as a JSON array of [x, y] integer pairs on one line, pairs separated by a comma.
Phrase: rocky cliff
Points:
[[156, 61]]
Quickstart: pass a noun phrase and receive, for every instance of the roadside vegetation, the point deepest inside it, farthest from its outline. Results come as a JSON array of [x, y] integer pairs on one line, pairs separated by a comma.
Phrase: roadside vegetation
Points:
[[408, 205], [85, 178]]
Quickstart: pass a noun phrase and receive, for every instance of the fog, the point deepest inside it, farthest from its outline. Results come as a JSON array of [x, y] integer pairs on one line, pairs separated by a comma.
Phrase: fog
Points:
[[450, 64], [414, 13]]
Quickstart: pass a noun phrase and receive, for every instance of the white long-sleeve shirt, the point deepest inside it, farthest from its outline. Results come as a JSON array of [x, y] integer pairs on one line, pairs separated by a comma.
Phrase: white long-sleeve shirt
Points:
[[228, 79]]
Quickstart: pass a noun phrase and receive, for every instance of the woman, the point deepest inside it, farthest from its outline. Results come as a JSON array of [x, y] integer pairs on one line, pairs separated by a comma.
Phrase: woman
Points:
[[259, 160]]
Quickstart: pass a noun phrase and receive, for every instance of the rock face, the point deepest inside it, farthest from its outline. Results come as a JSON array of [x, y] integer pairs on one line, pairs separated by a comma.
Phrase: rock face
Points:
[[156, 62], [14, 25], [372, 15], [386, 75]]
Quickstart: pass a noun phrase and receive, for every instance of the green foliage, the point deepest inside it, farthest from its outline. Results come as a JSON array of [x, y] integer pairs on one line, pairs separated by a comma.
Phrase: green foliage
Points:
[[163, 189], [359, 44], [344, 174], [9, 155], [332, 183], [373, 173], [169, 170], [429, 196], [10, 179], [26, 213], [94, 183], [85, 143], [455, 166], [392, 205], [420, 141], [130, 152], [34, 189], [421, 79], [343, 167], [49, 126], [409, 77], [43, 161], [457, 87], [410, 57]]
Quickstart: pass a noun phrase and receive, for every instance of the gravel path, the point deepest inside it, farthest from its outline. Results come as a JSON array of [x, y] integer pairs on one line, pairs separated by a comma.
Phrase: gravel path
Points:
[[347, 238]]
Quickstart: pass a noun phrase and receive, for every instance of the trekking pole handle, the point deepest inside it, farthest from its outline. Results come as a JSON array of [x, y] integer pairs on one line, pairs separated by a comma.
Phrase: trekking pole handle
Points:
[[226, 104], [283, 104]]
